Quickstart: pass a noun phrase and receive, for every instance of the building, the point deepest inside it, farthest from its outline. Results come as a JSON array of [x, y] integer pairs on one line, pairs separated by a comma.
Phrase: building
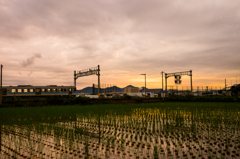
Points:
[[197, 93], [152, 92], [131, 90], [155, 91], [137, 94]]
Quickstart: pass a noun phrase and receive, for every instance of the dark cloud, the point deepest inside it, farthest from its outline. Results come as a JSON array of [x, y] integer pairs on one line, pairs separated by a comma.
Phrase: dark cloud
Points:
[[30, 60], [133, 36]]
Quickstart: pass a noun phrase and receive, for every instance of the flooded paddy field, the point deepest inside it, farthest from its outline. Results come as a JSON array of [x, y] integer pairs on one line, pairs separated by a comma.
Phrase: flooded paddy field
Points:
[[158, 130]]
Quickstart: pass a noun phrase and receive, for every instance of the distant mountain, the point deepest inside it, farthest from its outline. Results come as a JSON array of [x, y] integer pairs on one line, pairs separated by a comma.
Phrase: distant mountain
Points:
[[89, 90], [114, 88], [130, 86]]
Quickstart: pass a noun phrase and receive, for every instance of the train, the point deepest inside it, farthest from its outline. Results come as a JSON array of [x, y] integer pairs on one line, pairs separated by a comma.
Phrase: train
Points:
[[29, 90]]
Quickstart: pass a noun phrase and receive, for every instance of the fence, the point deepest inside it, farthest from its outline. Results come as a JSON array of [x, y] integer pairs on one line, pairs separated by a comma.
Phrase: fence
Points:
[[197, 90]]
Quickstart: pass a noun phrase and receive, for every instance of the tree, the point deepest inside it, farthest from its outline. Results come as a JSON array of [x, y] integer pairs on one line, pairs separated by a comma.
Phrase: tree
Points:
[[235, 90]]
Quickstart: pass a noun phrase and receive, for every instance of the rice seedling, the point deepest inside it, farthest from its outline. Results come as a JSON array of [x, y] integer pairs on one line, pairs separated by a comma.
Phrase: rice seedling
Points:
[[159, 130]]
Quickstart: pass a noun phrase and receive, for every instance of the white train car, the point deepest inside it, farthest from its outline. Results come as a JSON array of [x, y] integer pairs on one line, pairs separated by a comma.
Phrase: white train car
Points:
[[29, 90]]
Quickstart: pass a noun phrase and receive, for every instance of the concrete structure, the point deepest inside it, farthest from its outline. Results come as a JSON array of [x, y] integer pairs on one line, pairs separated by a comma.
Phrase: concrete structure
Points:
[[118, 94], [114, 94], [131, 90], [156, 91], [197, 93], [137, 94], [92, 96], [81, 94], [162, 94], [150, 94]]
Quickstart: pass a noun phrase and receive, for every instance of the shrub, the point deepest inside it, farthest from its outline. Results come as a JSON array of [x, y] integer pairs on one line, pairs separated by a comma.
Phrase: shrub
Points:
[[125, 96]]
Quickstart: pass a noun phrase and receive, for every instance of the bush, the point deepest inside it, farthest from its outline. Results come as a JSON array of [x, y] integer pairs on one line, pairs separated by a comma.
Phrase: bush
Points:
[[139, 100], [55, 101], [125, 96]]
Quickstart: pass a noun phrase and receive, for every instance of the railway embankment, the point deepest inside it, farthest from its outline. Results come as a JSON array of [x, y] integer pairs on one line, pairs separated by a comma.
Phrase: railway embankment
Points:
[[48, 101]]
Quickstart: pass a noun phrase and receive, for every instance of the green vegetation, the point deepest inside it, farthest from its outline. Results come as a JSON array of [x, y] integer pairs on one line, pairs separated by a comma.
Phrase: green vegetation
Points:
[[71, 100], [235, 90], [146, 130], [191, 98]]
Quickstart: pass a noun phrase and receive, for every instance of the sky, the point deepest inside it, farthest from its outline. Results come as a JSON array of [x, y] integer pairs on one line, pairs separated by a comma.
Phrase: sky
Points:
[[42, 42]]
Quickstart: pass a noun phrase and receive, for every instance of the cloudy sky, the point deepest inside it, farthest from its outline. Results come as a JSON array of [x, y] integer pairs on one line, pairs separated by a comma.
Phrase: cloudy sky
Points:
[[43, 41]]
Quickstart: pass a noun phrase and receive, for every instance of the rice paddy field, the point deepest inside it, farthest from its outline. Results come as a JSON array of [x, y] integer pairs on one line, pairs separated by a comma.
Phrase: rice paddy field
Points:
[[132, 131]]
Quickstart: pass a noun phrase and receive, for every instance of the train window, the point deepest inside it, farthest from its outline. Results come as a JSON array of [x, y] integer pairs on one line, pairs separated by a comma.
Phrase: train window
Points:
[[13, 90], [8, 90], [19, 90], [30, 90], [37, 90], [53, 90], [48, 90], [43, 90], [25, 90], [70, 89]]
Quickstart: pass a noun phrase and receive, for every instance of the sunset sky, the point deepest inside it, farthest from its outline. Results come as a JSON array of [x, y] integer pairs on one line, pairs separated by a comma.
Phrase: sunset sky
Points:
[[43, 41]]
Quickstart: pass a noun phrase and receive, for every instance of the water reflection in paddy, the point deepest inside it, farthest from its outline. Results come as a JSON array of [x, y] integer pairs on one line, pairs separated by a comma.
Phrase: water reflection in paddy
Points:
[[157, 132]]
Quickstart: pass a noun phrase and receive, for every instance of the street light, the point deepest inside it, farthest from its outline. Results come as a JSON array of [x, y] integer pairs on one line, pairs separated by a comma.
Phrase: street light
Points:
[[145, 82]]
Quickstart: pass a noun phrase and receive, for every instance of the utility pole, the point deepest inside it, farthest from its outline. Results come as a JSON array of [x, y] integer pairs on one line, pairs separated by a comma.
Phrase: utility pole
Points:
[[93, 89], [145, 85], [207, 90], [191, 80], [88, 72], [98, 74], [225, 84], [75, 78], [162, 80], [1, 86], [1, 103], [166, 85], [145, 82]]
